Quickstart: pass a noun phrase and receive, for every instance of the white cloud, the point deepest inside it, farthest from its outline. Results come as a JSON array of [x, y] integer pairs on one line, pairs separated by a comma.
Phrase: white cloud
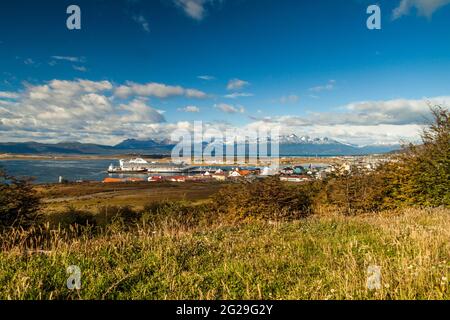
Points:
[[370, 113], [326, 87], [227, 108], [89, 111], [138, 111], [237, 84], [77, 110], [190, 109], [289, 99], [29, 61], [142, 21], [78, 86], [193, 8], [8, 95], [79, 68], [238, 95], [424, 7], [194, 93], [398, 111], [355, 134], [369, 135], [367, 122], [206, 77], [69, 59], [158, 90]]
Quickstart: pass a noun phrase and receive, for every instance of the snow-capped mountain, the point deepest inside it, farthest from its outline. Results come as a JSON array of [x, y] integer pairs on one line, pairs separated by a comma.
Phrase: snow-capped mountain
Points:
[[294, 139], [290, 145]]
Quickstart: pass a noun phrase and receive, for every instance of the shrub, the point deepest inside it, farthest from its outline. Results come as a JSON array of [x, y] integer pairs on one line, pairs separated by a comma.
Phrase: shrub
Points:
[[125, 215], [73, 217], [359, 191], [19, 203], [177, 214], [267, 199]]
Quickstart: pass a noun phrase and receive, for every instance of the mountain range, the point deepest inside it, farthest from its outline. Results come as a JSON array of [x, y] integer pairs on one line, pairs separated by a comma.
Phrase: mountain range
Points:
[[290, 145]]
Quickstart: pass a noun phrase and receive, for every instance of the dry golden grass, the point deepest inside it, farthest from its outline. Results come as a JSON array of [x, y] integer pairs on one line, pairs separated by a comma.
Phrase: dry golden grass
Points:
[[322, 257], [90, 196]]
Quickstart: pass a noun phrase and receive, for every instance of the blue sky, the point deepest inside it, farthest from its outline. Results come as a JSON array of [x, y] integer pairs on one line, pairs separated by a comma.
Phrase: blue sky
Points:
[[140, 69]]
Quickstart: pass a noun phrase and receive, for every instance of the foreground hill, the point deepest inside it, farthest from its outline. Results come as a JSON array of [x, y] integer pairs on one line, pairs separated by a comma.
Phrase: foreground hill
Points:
[[323, 257]]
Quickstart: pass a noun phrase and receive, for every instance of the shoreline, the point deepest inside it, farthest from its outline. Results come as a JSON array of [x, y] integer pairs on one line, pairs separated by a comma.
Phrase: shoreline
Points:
[[11, 157], [161, 158]]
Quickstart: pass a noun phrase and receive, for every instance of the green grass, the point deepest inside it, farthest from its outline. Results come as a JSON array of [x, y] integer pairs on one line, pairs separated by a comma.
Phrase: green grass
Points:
[[322, 257]]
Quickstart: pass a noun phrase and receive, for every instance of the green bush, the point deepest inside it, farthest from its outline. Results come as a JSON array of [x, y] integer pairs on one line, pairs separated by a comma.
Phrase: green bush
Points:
[[113, 214], [426, 168], [418, 176], [73, 217], [19, 203]]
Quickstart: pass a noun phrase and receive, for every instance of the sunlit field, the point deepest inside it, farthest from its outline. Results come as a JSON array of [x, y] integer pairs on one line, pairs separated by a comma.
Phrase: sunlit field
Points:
[[321, 257]]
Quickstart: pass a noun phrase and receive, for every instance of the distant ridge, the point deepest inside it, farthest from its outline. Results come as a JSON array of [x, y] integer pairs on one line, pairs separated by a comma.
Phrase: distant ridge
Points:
[[290, 145], [133, 144], [71, 148]]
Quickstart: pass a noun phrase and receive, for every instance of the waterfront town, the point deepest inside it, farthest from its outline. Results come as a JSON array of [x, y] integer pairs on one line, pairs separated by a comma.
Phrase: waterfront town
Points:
[[296, 170]]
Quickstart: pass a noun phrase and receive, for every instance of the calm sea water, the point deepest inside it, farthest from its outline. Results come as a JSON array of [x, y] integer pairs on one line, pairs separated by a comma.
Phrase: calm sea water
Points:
[[49, 171]]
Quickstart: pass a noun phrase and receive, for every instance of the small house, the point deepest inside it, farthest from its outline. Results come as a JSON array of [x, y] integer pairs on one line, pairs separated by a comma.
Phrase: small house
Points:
[[219, 176], [155, 179], [177, 179]]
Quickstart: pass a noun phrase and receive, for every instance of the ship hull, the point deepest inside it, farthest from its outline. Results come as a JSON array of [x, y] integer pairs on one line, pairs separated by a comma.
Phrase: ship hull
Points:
[[127, 171], [162, 170]]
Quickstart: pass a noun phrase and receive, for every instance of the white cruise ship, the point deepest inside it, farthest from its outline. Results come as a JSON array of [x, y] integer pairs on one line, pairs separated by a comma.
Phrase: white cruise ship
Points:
[[139, 165]]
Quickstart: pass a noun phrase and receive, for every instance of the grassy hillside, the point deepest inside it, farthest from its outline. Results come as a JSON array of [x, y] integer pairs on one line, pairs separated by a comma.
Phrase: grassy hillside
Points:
[[321, 257]]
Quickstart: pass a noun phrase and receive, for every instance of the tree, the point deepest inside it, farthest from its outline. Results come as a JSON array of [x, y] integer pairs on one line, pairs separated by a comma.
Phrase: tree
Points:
[[19, 203], [417, 176], [426, 168]]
